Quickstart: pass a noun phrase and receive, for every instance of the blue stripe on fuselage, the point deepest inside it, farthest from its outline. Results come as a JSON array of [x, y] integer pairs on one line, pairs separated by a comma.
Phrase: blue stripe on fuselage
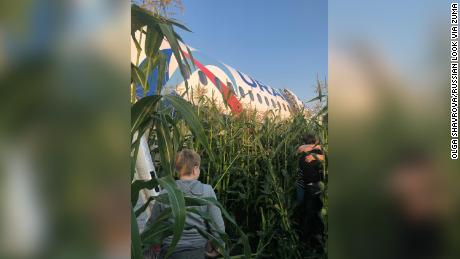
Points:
[[153, 77]]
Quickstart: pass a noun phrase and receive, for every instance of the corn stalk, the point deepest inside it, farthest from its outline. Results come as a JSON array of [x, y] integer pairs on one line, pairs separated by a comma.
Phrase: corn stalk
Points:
[[165, 116]]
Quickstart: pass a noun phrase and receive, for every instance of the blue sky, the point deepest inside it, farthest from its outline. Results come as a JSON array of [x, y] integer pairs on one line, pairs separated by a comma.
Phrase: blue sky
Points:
[[280, 43]]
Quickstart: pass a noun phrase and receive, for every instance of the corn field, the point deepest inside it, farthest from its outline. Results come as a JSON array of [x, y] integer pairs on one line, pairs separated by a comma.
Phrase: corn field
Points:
[[250, 160], [254, 173]]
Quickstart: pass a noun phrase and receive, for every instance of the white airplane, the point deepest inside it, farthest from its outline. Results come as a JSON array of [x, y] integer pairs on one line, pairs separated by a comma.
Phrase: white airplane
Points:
[[220, 82], [217, 81]]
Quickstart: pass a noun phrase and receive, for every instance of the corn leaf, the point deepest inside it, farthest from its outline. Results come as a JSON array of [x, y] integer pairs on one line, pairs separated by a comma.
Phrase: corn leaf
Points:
[[136, 74], [162, 67], [153, 39], [188, 113], [141, 110], [156, 231], [214, 240], [177, 203], [138, 185], [168, 32], [165, 144], [139, 211]]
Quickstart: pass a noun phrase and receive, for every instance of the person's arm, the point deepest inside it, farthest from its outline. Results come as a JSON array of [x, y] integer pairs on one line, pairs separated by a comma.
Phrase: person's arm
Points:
[[308, 148], [309, 158], [320, 157], [315, 154], [304, 148]]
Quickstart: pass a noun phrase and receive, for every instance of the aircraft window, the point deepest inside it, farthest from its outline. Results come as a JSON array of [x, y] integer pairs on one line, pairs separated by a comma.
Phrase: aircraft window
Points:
[[203, 78], [273, 103], [259, 98], [266, 101], [241, 91], [251, 95]]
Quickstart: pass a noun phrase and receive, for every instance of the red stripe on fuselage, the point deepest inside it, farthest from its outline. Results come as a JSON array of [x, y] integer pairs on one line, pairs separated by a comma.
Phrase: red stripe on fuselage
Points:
[[233, 102]]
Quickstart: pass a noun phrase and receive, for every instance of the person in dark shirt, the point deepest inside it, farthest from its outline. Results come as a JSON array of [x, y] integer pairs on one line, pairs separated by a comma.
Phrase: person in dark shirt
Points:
[[310, 164], [311, 157]]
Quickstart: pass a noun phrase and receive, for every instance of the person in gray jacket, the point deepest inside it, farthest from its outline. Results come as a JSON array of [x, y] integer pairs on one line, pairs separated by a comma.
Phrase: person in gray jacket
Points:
[[191, 245]]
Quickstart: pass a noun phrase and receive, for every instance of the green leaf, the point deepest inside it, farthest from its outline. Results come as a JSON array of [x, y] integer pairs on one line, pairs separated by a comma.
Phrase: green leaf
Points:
[[144, 207], [138, 185], [214, 229], [188, 113], [226, 171], [200, 201], [168, 32], [141, 17], [318, 89], [165, 144], [136, 42], [162, 67], [214, 240], [177, 203], [245, 241], [176, 133], [153, 40], [319, 97], [133, 157], [178, 24], [133, 162], [136, 74], [179, 38], [158, 230], [141, 110], [147, 67]]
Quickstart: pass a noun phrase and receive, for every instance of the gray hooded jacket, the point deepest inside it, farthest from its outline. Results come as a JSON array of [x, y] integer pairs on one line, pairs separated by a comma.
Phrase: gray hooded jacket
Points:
[[191, 239]]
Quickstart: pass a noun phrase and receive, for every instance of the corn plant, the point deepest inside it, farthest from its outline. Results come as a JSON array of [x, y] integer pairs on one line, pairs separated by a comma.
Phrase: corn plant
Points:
[[249, 159], [152, 114], [253, 173]]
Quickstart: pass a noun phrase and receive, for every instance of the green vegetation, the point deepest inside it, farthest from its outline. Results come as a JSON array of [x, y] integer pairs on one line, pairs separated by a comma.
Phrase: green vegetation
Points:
[[249, 159], [253, 173], [151, 114]]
